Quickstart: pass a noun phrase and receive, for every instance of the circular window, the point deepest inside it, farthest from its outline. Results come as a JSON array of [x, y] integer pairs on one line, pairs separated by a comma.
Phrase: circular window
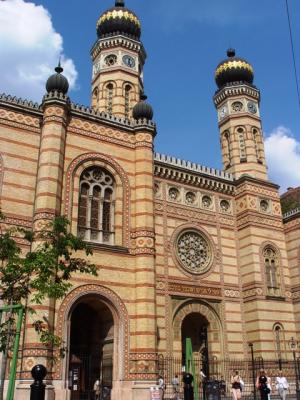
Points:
[[237, 106], [111, 59], [193, 251]]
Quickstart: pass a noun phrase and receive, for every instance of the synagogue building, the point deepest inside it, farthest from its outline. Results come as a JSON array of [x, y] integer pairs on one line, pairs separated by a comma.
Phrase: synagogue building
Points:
[[183, 250]]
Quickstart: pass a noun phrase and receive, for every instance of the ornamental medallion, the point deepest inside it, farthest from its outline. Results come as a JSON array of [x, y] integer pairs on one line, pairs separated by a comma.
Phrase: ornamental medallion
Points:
[[193, 252]]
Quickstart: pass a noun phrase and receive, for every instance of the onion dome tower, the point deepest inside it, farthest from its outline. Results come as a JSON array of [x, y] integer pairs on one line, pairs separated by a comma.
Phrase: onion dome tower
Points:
[[118, 61], [233, 70], [142, 110], [237, 102], [119, 21], [57, 82]]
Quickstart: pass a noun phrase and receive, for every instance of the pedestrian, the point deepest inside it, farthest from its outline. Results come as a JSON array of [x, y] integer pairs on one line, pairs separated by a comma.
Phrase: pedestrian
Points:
[[236, 386], [161, 386], [97, 389], [175, 386], [262, 382], [281, 385]]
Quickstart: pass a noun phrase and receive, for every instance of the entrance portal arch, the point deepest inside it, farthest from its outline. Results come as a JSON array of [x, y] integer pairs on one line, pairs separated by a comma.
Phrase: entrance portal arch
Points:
[[200, 320], [93, 322]]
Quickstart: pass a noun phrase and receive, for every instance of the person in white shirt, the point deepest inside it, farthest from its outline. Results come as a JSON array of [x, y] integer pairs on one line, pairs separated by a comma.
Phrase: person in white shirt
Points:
[[161, 386], [281, 385], [175, 385]]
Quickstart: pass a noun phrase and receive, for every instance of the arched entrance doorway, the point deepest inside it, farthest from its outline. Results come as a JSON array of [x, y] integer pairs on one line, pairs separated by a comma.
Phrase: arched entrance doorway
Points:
[[195, 326], [91, 347]]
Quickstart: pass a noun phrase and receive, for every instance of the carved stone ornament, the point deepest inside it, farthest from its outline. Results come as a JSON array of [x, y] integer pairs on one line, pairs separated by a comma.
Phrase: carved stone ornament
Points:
[[206, 201], [264, 205], [173, 193], [224, 205], [190, 197], [193, 251]]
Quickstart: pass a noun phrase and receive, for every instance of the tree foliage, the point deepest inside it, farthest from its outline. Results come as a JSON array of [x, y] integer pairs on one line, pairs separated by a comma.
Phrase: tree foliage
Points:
[[43, 272]]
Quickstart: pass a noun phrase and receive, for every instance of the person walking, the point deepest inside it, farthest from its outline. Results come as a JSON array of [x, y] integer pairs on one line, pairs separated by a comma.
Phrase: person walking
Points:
[[236, 386], [97, 389], [262, 382], [175, 386], [161, 386], [282, 385]]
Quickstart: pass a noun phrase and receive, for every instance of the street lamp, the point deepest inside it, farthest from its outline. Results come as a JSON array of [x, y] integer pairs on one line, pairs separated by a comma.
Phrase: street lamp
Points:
[[293, 346], [253, 371]]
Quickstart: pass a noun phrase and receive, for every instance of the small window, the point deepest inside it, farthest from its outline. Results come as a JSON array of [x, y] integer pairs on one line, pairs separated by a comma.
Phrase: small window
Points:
[[96, 206]]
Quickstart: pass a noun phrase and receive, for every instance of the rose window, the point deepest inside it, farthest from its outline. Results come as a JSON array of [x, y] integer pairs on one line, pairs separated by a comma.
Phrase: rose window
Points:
[[193, 252]]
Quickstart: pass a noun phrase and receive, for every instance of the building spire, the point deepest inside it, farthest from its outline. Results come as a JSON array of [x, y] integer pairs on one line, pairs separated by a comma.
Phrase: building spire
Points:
[[120, 3]]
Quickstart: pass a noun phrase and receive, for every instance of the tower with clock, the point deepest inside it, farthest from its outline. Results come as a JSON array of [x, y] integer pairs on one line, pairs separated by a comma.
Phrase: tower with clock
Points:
[[237, 102], [118, 58]]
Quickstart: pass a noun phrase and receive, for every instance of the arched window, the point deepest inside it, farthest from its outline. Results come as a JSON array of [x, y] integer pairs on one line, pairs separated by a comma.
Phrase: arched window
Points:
[[279, 341], [127, 100], [255, 140], [227, 149], [271, 262], [242, 144], [109, 98], [95, 98], [96, 206]]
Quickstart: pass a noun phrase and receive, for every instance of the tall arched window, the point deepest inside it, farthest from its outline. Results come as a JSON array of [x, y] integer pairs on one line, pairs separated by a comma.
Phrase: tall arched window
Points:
[[127, 100], [109, 98], [96, 206], [258, 145], [242, 144], [95, 98], [279, 341], [227, 149], [271, 262]]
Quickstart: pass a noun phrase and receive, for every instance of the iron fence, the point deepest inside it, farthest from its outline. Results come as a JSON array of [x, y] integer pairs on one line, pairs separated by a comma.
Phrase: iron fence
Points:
[[222, 370]]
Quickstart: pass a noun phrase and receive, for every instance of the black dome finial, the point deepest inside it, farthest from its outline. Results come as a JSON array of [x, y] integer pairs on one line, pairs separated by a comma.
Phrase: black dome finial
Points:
[[142, 110], [57, 82], [59, 68], [120, 3], [231, 52]]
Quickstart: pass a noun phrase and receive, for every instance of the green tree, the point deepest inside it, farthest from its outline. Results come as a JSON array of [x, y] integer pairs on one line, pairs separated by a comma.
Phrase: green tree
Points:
[[43, 272]]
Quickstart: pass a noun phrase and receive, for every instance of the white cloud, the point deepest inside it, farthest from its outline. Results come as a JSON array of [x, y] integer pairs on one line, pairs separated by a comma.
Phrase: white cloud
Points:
[[30, 49], [283, 158]]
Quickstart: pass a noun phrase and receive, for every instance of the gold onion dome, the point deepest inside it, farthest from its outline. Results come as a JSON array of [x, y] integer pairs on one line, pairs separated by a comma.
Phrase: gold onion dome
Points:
[[119, 21], [233, 70]]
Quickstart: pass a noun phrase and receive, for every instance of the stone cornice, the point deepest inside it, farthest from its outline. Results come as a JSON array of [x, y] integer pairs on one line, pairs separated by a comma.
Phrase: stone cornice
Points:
[[84, 112], [260, 182], [19, 104], [118, 41], [291, 215], [174, 169], [112, 120], [236, 90]]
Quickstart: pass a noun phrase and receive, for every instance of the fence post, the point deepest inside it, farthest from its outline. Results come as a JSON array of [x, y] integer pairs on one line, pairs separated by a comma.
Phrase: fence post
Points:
[[37, 388], [253, 371]]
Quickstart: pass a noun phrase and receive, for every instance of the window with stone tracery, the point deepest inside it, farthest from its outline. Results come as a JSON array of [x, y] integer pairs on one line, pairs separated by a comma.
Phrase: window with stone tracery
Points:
[[127, 100], [109, 98], [193, 251], [271, 262], [96, 206], [257, 145]]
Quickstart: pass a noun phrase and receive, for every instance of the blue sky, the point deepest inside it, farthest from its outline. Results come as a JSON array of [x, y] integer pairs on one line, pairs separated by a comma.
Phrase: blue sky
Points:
[[185, 40]]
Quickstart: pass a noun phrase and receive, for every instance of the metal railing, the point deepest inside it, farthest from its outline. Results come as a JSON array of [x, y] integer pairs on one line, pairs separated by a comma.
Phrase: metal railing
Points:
[[222, 370]]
